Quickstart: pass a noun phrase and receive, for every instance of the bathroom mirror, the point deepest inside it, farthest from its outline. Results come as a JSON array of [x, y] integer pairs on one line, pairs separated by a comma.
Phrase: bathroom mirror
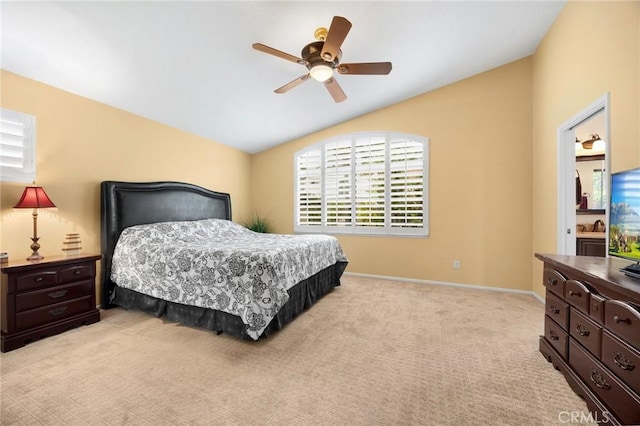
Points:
[[595, 184]]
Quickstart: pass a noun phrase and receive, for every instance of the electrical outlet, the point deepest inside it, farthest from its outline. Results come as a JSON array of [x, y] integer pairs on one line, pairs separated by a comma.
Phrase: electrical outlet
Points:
[[456, 264]]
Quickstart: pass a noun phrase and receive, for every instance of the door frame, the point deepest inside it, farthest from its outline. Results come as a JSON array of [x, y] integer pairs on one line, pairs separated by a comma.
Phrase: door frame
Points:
[[566, 171]]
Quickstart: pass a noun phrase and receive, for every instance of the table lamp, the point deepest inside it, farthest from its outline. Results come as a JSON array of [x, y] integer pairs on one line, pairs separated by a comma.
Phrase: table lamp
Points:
[[34, 198]]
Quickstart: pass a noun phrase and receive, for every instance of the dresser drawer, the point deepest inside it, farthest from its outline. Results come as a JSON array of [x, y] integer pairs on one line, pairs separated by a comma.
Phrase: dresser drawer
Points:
[[596, 308], [622, 360], [586, 331], [52, 295], [557, 309], [556, 336], [554, 281], [618, 397], [78, 272], [36, 280], [577, 294], [624, 320], [51, 313]]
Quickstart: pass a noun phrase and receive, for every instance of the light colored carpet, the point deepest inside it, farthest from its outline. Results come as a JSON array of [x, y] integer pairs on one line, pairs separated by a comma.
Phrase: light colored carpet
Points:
[[372, 352]]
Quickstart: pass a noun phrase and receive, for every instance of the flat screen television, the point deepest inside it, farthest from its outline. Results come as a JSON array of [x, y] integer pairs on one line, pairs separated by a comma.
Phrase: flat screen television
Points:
[[624, 218]]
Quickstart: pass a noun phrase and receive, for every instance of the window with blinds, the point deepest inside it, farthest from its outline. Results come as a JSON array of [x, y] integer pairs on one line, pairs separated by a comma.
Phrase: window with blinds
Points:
[[17, 147], [363, 183]]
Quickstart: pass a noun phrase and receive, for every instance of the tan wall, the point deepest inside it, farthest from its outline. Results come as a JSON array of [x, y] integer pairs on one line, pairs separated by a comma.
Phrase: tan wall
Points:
[[572, 68], [480, 183], [81, 143]]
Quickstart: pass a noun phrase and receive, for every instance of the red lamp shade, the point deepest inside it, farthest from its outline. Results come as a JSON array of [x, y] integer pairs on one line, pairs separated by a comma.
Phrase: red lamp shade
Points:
[[34, 197]]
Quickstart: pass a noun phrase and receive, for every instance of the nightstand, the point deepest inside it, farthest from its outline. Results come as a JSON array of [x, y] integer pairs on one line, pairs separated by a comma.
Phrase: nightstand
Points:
[[46, 297]]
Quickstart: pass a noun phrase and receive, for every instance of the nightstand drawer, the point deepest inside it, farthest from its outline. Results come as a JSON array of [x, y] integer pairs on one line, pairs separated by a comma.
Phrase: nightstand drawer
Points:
[[51, 313], [52, 295], [75, 273], [36, 280]]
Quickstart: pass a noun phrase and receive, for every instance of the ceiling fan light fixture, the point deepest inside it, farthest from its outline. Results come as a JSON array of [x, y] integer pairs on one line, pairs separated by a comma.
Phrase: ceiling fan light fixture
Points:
[[321, 72]]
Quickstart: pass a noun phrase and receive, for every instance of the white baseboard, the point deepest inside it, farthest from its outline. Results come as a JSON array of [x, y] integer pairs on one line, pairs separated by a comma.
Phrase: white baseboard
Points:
[[449, 284]]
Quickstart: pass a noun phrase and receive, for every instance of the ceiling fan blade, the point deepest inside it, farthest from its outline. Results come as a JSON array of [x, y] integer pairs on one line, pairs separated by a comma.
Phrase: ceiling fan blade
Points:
[[335, 90], [293, 84], [337, 33], [280, 54], [378, 68]]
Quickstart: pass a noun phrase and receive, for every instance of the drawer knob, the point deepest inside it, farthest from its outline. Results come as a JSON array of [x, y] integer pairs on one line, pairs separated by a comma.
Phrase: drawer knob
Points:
[[553, 309], [552, 281], [553, 335], [76, 272], [582, 330], [57, 294], [574, 293], [598, 380], [622, 362], [618, 320], [39, 279], [58, 311]]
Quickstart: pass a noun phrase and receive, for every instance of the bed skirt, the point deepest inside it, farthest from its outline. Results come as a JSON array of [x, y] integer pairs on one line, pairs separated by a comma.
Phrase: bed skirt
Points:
[[301, 296]]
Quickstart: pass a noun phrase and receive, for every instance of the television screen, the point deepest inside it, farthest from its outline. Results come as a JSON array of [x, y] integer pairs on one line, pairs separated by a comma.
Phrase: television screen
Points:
[[624, 215]]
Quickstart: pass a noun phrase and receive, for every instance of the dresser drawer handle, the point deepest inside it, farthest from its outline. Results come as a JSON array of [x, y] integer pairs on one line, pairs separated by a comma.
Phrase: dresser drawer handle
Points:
[[39, 279], [582, 330], [552, 281], [618, 320], [622, 362], [57, 294], [598, 380], [553, 309], [58, 311], [575, 293], [76, 272], [553, 335]]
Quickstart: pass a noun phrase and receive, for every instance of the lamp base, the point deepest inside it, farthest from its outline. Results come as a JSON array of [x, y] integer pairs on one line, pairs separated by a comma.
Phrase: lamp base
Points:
[[34, 248], [35, 256]]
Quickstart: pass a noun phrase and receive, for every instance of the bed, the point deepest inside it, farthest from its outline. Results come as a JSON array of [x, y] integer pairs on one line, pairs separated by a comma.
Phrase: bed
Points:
[[133, 211]]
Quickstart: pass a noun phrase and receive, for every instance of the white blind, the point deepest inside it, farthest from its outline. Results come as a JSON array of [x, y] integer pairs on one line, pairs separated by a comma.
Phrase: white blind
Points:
[[337, 183], [17, 146], [370, 161], [309, 188], [363, 183], [407, 183]]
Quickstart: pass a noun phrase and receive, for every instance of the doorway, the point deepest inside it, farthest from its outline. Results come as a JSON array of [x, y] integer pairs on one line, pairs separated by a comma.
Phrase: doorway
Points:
[[567, 134]]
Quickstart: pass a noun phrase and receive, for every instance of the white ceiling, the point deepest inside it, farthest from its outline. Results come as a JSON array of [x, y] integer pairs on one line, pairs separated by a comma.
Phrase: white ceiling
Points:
[[190, 65]]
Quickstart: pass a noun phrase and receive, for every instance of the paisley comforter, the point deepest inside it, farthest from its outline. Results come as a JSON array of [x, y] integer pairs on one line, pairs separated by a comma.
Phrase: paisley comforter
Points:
[[218, 264]]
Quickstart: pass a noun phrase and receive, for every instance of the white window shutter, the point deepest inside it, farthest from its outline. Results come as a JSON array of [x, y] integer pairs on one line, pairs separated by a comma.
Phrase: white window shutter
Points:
[[363, 183], [17, 147]]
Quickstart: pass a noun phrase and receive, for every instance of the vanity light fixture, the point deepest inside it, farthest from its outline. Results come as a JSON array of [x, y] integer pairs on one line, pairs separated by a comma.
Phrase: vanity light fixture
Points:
[[593, 143]]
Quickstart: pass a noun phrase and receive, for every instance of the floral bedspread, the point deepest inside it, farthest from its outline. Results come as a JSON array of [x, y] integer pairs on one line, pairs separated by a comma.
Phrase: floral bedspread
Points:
[[218, 264]]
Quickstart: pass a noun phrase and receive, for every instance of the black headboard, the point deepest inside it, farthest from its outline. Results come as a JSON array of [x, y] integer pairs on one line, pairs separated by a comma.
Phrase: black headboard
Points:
[[125, 204]]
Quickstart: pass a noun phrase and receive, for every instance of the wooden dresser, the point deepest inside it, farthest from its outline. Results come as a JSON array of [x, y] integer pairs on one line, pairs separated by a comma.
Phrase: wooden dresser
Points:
[[592, 333], [42, 298]]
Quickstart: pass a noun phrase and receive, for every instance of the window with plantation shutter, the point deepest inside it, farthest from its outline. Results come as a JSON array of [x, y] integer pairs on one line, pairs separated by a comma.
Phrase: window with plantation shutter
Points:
[[363, 183], [17, 147]]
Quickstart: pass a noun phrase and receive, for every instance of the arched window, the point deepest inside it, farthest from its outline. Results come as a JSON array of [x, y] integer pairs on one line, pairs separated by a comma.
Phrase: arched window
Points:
[[363, 183]]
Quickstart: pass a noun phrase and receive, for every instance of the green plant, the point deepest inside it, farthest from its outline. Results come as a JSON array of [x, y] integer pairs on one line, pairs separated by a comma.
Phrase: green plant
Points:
[[258, 224]]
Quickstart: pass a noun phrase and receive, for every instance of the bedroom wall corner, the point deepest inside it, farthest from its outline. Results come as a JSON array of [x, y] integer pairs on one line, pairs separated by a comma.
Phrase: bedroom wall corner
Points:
[[480, 183], [81, 142]]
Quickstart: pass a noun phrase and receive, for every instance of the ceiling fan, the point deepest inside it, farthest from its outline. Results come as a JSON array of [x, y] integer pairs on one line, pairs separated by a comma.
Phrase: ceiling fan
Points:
[[323, 56]]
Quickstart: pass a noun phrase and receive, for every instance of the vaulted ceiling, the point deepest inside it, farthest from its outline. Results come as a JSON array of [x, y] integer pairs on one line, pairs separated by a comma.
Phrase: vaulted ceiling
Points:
[[191, 65]]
